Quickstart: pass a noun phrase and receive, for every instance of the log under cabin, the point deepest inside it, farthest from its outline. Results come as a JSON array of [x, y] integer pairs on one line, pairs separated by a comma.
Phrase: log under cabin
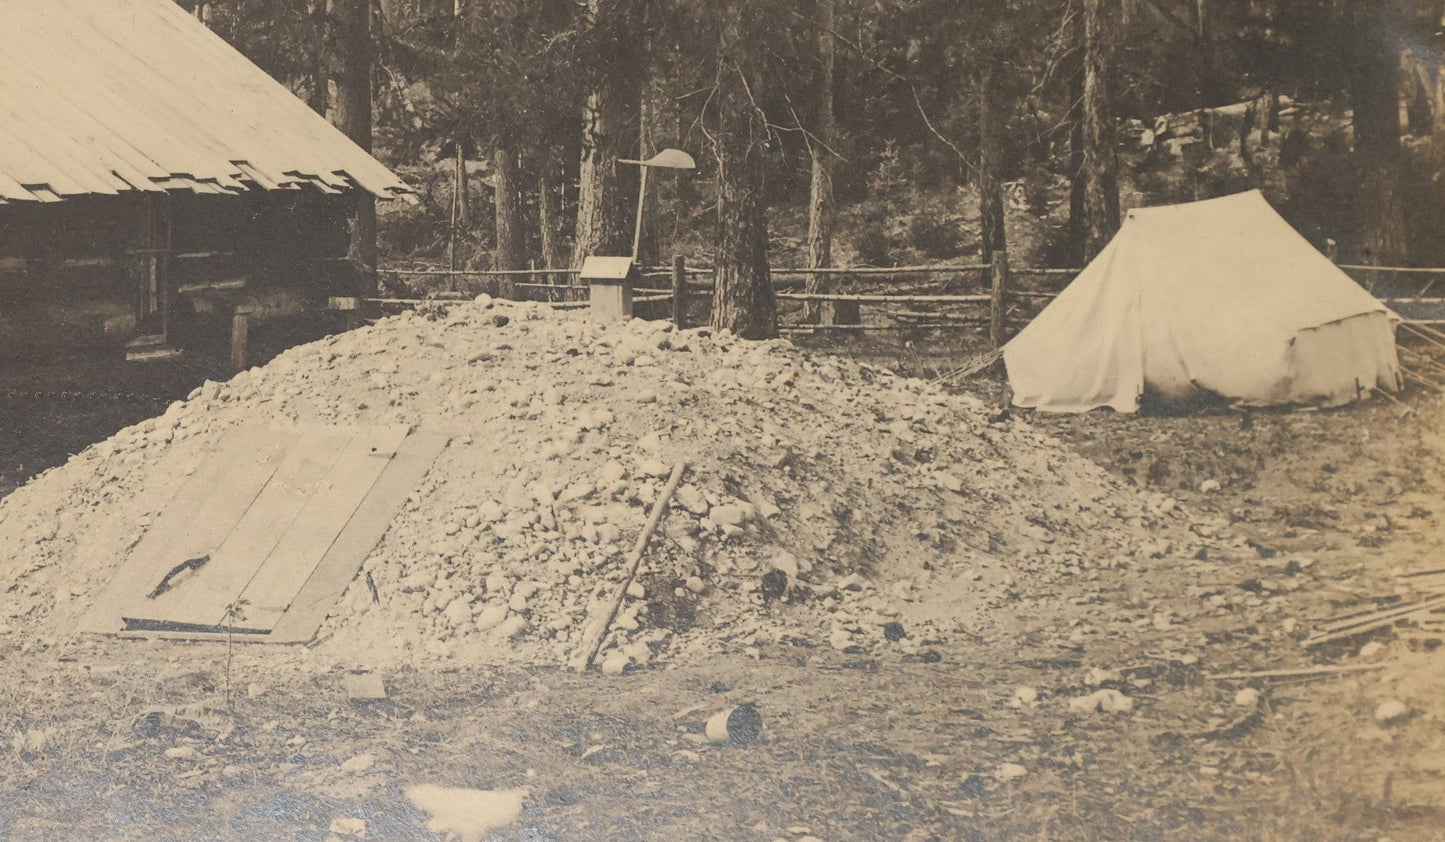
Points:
[[150, 174]]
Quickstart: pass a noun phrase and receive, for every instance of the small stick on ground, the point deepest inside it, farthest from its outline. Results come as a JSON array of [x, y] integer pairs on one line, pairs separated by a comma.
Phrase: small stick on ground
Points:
[[1408, 409], [1304, 672], [1360, 624], [1423, 381], [597, 632]]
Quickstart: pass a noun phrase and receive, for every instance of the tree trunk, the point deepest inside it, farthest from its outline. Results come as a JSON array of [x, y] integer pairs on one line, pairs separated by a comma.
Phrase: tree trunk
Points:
[[606, 192], [1246, 126], [1077, 212], [1437, 103], [550, 220], [508, 252], [461, 201], [351, 113], [821, 148], [990, 177], [1420, 110], [1208, 77], [464, 187], [743, 299], [1100, 159], [1373, 68], [318, 94], [647, 248]]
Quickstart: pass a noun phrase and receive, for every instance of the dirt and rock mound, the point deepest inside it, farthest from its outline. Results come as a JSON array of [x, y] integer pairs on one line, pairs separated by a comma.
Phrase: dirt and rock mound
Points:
[[825, 501]]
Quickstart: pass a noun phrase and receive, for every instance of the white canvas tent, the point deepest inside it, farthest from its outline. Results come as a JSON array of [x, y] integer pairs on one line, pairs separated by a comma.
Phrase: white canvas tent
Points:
[[1216, 297]]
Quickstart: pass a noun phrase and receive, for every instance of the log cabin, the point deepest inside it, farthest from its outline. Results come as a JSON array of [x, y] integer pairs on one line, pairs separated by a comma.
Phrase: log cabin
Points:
[[150, 176]]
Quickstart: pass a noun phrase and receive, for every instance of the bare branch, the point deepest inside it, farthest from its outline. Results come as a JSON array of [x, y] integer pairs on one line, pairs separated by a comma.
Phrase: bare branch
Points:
[[913, 89], [808, 136], [1169, 15]]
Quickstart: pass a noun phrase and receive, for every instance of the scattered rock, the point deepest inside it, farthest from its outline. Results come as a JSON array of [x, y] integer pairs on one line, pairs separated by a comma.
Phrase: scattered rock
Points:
[[346, 829], [363, 687], [615, 663], [1010, 772], [1107, 701], [358, 764], [1391, 710], [491, 617], [730, 514], [690, 497], [470, 814], [1024, 697]]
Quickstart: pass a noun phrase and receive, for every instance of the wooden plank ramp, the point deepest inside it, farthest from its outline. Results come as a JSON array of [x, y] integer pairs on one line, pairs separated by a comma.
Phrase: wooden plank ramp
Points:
[[259, 545]]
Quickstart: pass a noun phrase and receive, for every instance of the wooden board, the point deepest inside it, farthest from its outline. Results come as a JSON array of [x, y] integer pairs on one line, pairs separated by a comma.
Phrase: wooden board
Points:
[[368, 524], [203, 597], [318, 526], [195, 522]]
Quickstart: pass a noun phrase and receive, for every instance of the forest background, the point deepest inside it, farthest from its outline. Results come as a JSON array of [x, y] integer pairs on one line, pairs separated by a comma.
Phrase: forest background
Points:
[[867, 132]]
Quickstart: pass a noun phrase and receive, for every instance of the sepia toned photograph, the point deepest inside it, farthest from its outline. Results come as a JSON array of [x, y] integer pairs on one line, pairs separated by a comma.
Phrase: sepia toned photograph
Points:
[[727, 420]]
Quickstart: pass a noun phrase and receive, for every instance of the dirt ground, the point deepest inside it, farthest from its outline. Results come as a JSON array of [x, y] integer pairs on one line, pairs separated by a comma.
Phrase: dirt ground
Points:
[[109, 739]]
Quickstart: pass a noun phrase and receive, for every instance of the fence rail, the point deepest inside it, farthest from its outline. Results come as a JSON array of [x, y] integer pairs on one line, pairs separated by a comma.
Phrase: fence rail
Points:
[[1403, 270], [885, 299]]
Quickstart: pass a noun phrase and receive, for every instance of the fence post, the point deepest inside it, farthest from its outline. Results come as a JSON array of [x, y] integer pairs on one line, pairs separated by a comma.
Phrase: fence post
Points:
[[998, 264], [679, 291], [240, 335]]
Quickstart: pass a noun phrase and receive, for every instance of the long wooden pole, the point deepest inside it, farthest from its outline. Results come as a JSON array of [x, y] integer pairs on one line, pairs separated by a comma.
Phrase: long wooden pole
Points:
[[596, 632], [641, 203]]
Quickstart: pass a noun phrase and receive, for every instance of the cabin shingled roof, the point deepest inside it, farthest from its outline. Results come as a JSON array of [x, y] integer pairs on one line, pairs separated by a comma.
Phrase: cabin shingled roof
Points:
[[107, 97]]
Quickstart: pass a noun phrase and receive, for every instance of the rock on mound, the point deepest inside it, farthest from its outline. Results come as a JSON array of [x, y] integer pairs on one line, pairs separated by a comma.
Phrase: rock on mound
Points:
[[825, 500]]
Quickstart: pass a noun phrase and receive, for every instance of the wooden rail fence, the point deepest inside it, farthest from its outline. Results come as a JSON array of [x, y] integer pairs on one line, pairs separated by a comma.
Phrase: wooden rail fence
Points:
[[995, 279]]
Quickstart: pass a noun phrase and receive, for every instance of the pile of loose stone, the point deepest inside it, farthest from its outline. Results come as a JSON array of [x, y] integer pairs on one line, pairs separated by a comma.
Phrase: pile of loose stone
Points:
[[824, 500]]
